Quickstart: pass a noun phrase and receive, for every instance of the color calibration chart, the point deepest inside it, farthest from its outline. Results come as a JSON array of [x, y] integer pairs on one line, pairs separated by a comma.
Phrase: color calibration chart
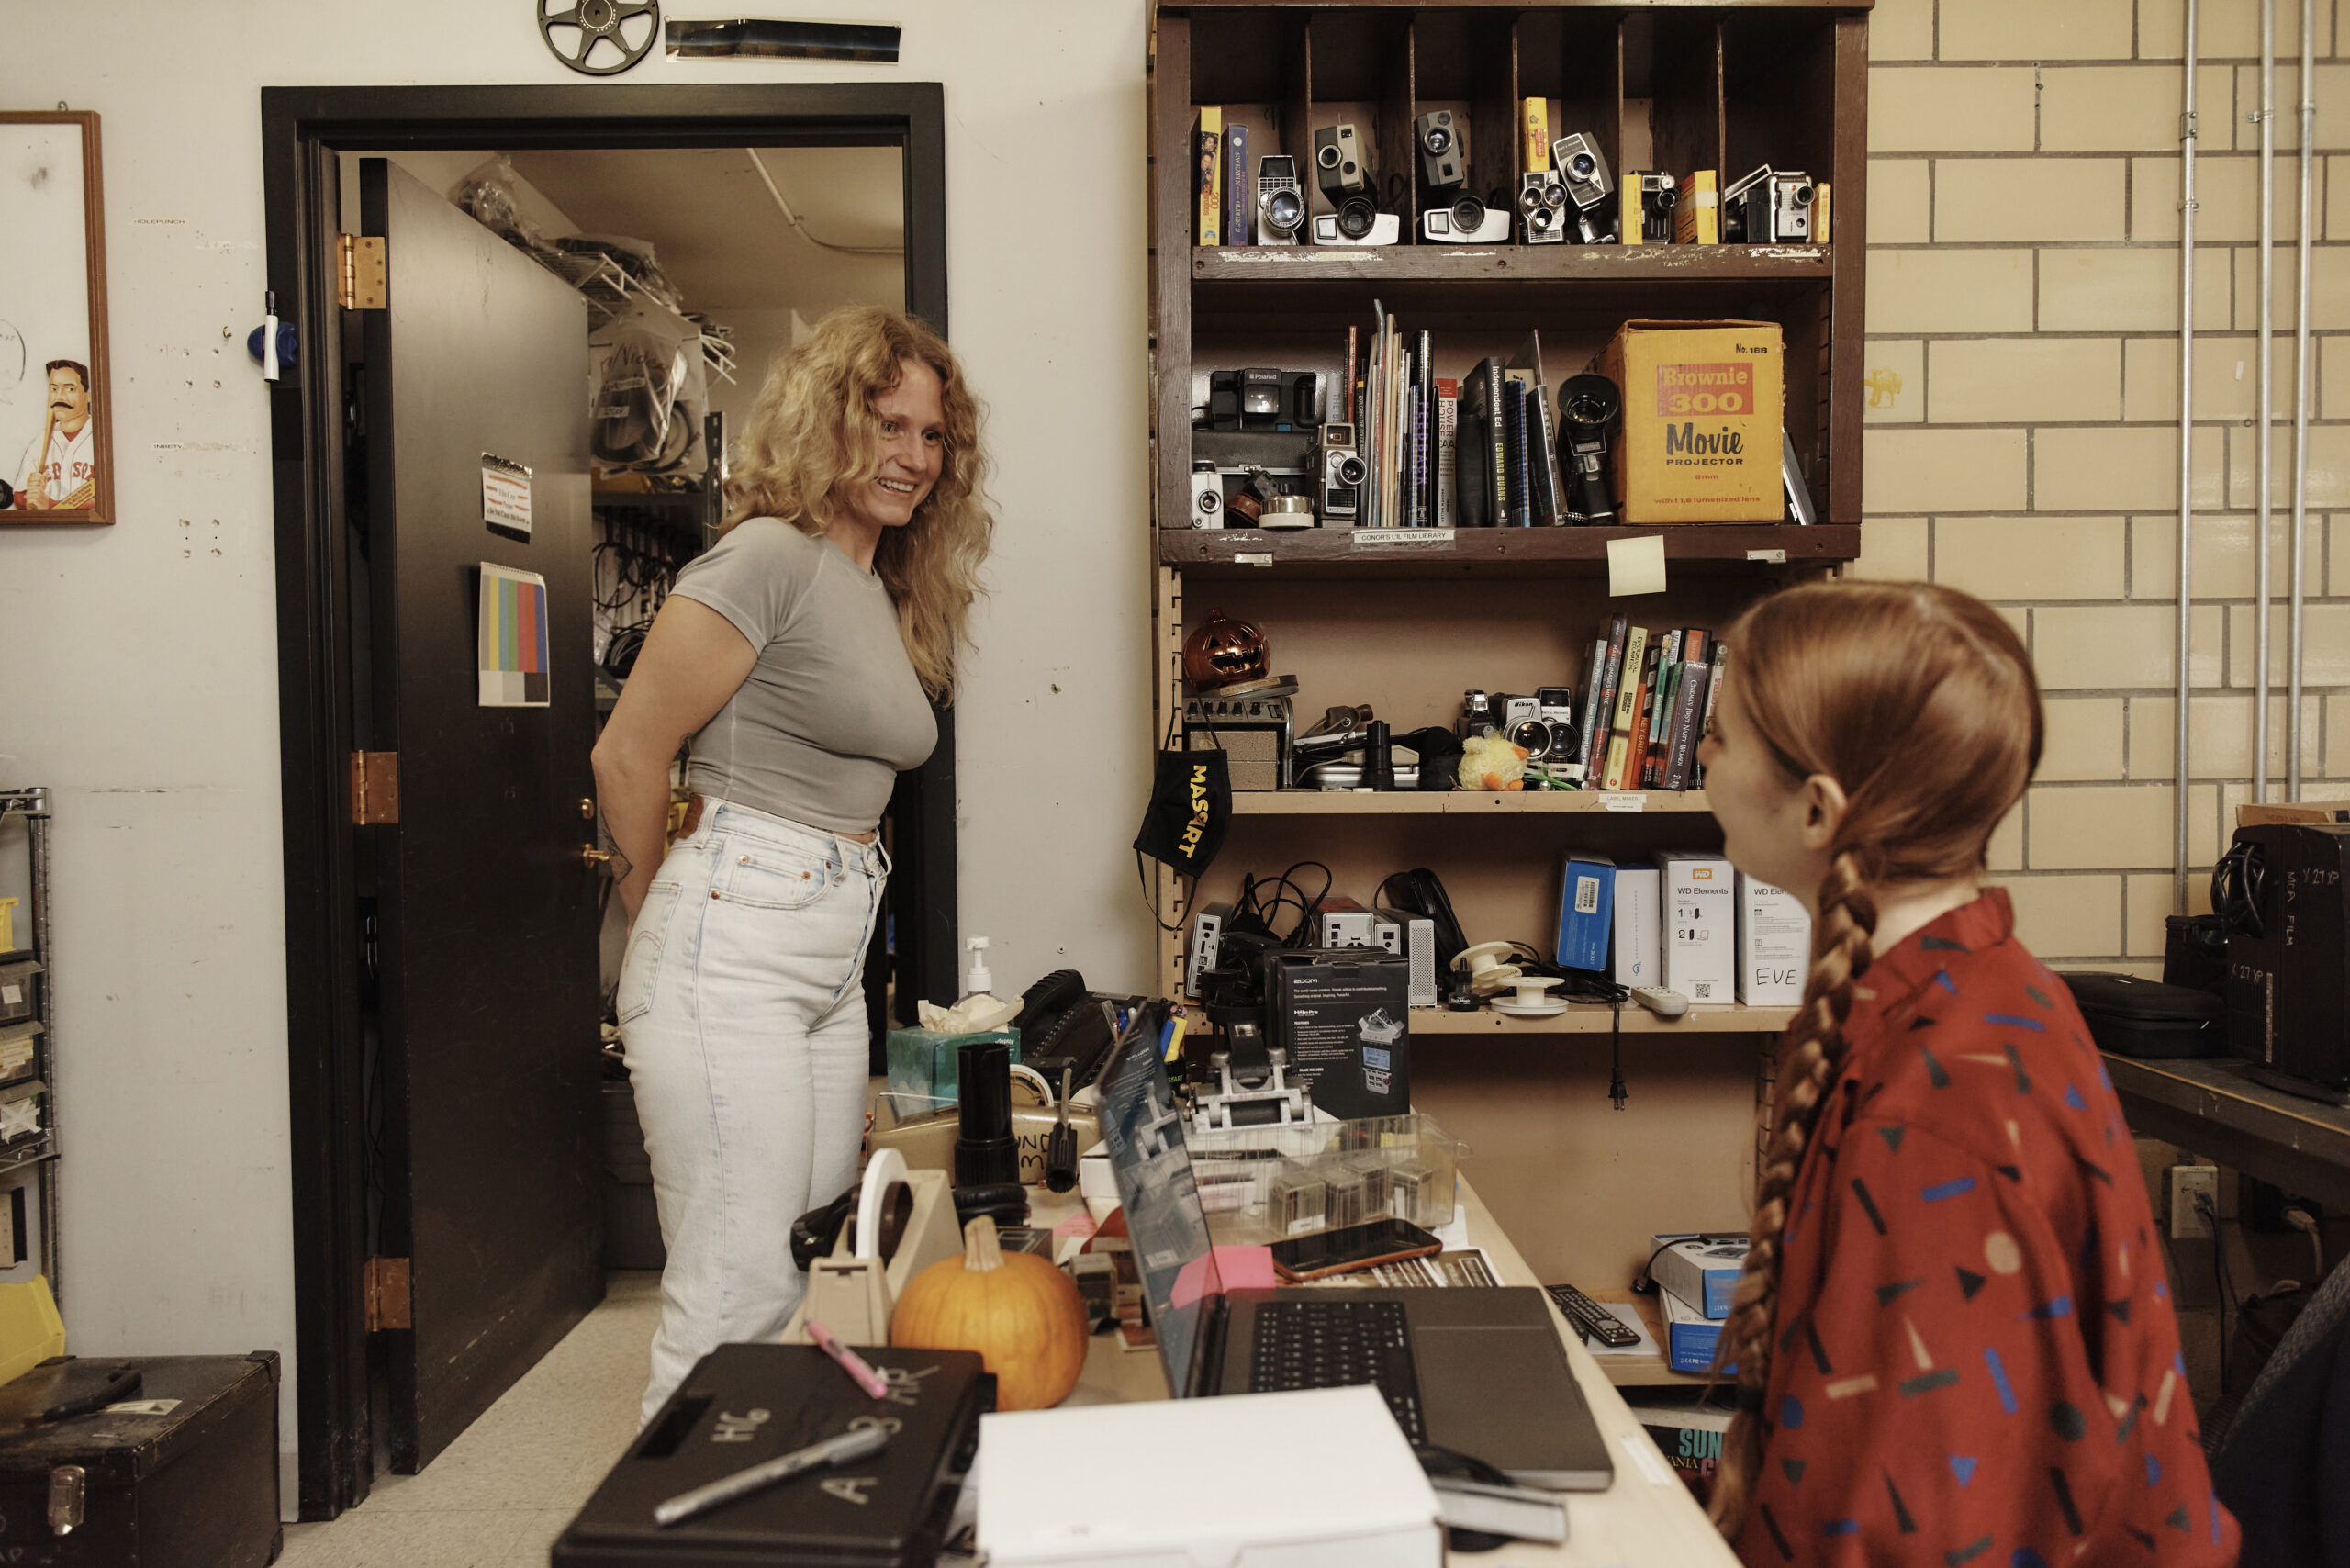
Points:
[[512, 642]]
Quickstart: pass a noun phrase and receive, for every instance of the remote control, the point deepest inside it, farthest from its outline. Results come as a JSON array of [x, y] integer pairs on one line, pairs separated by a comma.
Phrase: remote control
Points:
[[1663, 1002], [1590, 1318]]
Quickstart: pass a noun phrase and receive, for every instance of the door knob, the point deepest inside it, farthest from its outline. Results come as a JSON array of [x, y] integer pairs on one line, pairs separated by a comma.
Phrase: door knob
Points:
[[591, 856], [587, 809]]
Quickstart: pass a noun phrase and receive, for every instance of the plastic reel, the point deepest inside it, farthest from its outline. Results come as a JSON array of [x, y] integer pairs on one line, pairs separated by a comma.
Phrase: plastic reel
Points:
[[595, 22]]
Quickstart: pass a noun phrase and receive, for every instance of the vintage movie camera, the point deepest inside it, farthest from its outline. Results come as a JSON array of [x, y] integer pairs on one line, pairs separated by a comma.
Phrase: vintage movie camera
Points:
[[1342, 473], [1587, 406], [1466, 221], [1770, 206], [1583, 169], [1444, 150], [1339, 168], [1542, 210], [1660, 195], [1281, 200]]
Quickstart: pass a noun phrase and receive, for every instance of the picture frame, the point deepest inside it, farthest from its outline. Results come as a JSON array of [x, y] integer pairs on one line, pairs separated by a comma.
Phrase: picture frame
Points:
[[56, 392]]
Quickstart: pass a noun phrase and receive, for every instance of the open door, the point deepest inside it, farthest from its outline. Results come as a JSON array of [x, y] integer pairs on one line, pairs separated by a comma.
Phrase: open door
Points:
[[487, 909]]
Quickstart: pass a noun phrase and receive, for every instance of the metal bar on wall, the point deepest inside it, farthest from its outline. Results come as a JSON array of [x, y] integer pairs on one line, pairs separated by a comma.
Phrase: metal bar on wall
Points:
[[2301, 410], [2267, 398], [2186, 129]]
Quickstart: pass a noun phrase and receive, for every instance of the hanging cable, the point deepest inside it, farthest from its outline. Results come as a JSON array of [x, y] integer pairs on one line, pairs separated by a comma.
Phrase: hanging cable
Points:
[[796, 221]]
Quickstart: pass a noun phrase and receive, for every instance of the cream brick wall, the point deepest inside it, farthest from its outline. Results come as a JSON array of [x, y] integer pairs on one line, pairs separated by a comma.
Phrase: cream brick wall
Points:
[[2023, 437]]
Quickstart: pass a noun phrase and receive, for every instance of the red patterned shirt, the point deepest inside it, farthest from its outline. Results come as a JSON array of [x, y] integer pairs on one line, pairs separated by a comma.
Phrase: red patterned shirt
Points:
[[1989, 1372]]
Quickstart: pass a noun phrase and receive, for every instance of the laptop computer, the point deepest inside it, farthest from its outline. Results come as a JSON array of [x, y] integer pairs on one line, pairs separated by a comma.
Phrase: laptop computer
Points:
[[1478, 1371]]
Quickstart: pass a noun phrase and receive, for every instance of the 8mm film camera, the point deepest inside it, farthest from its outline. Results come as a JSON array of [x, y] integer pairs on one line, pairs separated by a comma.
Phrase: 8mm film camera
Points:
[[1444, 150], [1542, 206], [1583, 169], [1342, 473], [1770, 206], [1467, 221], [1281, 201]]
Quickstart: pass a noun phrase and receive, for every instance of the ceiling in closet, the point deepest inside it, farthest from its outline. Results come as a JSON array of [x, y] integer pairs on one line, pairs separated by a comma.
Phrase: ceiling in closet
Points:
[[722, 233]]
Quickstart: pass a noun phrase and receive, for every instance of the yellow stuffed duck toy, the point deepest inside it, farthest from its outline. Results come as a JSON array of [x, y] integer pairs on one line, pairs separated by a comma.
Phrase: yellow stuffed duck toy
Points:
[[1490, 762]]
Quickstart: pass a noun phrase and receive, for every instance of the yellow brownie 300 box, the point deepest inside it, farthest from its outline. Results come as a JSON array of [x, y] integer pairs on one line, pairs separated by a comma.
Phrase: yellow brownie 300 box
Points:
[[1703, 405]]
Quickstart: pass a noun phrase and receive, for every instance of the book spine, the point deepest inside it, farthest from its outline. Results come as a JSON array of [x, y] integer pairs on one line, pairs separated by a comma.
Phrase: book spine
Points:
[[1239, 185], [1210, 147], [1594, 702], [1652, 732], [1448, 439], [1415, 455], [1635, 744], [1628, 212], [1517, 489], [1706, 718], [1498, 449], [1822, 209], [1549, 492], [1627, 700], [1424, 372], [1351, 389], [1683, 752]]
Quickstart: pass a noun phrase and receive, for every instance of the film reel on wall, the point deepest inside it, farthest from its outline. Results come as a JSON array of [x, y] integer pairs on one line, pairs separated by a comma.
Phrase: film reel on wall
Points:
[[600, 38]]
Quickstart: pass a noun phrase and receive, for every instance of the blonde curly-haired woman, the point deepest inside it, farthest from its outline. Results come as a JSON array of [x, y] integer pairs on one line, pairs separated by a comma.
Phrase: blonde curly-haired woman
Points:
[[802, 654]]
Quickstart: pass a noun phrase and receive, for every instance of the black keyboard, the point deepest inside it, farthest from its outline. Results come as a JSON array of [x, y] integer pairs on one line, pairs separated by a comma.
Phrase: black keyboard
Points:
[[1339, 1344]]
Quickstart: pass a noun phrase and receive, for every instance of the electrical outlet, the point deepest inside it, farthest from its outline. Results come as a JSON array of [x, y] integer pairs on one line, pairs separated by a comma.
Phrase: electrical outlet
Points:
[[2188, 1181]]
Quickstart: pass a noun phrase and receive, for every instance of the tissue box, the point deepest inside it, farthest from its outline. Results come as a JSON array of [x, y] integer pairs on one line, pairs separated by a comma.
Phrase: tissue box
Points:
[[1702, 1271], [928, 1063], [1690, 1336]]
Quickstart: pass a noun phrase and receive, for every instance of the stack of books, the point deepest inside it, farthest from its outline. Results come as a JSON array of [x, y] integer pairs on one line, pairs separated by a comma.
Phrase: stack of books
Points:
[[1647, 702]]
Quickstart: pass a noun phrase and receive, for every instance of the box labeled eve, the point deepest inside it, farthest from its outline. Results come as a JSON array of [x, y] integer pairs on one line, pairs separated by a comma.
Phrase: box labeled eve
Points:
[[1773, 945]]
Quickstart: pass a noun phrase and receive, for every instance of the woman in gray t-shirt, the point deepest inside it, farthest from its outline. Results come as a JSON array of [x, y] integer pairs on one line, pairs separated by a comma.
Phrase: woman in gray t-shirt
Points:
[[802, 654]]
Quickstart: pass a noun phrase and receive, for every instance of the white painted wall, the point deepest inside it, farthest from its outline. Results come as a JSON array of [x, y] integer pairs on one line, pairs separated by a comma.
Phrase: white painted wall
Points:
[[141, 678]]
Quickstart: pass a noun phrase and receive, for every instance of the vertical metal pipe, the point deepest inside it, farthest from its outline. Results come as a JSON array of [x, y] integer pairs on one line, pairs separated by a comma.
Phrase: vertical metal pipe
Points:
[[2300, 407], [2267, 394], [2186, 135]]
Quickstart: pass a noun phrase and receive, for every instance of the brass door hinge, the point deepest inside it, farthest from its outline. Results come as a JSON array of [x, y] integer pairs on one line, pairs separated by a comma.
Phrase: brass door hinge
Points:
[[386, 1289], [374, 787], [360, 284]]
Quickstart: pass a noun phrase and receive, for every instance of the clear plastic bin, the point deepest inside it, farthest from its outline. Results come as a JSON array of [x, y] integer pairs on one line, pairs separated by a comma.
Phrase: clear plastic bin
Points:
[[1405, 1166]]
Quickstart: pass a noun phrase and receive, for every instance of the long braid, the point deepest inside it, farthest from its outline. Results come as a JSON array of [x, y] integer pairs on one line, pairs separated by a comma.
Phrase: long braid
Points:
[[1841, 954]]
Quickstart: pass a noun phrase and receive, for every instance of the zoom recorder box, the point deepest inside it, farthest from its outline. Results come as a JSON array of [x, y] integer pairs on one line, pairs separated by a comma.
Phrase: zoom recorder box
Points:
[[1345, 1017], [1704, 404]]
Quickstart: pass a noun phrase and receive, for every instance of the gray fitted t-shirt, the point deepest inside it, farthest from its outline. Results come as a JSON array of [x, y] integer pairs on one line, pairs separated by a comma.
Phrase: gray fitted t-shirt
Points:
[[832, 711]]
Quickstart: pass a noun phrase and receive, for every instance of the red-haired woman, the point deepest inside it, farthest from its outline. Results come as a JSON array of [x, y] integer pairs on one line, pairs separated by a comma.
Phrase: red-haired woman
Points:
[[1953, 1340]]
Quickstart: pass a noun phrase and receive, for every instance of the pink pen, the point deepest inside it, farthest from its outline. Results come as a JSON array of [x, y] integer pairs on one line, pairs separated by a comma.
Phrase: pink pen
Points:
[[851, 1362]]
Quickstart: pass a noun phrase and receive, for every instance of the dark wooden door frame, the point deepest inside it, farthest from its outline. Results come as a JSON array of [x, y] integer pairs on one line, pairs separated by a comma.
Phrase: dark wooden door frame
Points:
[[303, 130]]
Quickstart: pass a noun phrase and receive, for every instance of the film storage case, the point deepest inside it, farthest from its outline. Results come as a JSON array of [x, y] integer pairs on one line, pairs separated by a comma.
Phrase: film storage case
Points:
[[744, 1404], [2135, 1017], [182, 1472]]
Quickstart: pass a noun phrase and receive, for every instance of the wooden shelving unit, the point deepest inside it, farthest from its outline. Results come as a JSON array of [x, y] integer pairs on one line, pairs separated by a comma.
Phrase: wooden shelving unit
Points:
[[1406, 619]]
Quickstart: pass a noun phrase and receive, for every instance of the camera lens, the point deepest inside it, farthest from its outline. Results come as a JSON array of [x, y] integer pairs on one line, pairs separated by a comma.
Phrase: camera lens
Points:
[[1533, 735], [1583, 166], [1328, 157], [1284, 210], [1800, 195], [1356, 215], [1350, 470], [1438, 140], [1665, 199], [1211, 502], [1468, 215]]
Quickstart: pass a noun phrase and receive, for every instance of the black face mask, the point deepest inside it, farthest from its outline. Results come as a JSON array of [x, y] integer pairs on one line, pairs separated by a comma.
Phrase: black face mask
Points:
[[1190, 809]]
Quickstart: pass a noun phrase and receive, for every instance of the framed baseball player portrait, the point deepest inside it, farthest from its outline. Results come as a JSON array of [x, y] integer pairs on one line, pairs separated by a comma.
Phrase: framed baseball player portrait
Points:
[[56, 447]]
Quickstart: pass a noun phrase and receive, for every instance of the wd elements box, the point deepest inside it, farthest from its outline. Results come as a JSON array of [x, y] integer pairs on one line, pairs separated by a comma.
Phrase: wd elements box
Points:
[[1703, 405], [1586, 904], [1701, 1268], [1345, 1016], [1700, 920], [1640, 927], [1773, 945]]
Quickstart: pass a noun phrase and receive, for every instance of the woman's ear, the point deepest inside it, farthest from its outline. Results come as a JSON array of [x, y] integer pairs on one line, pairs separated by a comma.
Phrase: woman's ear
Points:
[[1823, 811]]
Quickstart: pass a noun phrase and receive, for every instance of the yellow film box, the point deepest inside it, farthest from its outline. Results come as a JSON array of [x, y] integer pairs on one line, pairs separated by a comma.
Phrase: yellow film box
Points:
[[1703, 405]]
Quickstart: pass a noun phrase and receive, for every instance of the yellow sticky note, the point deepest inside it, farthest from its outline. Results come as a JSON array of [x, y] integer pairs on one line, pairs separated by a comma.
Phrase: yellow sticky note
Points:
[[1635, 565]]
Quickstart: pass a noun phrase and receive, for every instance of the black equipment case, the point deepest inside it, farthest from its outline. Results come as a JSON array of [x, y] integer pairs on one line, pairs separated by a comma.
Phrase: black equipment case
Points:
[[744, 1404], [2135, 1017], [2283, 893], [192, 1484]]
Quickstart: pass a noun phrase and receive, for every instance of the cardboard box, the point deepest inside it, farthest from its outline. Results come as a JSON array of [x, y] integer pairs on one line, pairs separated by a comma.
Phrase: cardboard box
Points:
[[1700, 926], [1773, 945], [1702, 1271], [1704, 404], [1640, 927], [1586, 907], [1345, 1017], [1690, 1336]]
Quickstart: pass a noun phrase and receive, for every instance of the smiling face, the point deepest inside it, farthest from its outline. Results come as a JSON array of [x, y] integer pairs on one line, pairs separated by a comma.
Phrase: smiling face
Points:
[[68, 400], [913, 450], [1763, 812]]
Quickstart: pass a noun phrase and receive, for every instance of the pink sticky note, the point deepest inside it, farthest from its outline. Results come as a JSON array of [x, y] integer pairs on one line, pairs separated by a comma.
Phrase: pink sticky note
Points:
[[1246, 1268], [1079, 1224]]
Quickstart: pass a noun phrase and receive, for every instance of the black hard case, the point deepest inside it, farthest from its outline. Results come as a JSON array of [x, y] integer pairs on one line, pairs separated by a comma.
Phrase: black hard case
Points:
[[2135, 1017], [197, 1488], [744, 1404]]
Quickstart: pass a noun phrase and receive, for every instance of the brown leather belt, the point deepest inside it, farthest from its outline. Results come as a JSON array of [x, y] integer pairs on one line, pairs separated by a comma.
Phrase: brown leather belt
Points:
[[693, 820]]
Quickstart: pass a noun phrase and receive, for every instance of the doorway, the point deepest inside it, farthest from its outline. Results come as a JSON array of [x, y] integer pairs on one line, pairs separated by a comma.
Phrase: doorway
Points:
[[366, 585]]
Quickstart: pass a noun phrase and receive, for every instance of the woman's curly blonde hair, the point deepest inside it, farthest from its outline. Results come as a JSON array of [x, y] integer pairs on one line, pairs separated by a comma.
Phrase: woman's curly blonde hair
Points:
[[815, 431]]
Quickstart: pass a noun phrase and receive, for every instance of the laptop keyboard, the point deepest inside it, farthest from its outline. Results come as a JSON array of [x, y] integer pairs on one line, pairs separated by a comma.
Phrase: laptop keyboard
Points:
[[1339, 1344]]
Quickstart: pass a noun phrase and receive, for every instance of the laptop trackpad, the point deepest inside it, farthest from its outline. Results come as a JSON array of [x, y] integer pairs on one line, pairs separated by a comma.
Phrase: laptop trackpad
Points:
[[1507, 1397]]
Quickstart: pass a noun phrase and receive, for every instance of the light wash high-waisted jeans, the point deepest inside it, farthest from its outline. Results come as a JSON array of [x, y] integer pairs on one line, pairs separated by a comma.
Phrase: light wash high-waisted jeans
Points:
[[744, 1025]]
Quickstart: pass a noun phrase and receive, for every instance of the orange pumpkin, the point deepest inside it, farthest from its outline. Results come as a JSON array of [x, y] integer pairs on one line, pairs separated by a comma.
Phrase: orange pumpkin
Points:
[[1021, 1313]]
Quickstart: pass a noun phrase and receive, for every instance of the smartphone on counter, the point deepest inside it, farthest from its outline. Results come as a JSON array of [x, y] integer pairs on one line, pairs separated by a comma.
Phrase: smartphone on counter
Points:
[[1349, 1247]]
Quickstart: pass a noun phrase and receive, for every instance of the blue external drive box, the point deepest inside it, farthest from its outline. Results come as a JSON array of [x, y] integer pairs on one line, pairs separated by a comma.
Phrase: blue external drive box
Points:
[[1586, 903], [1690, 1336]]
